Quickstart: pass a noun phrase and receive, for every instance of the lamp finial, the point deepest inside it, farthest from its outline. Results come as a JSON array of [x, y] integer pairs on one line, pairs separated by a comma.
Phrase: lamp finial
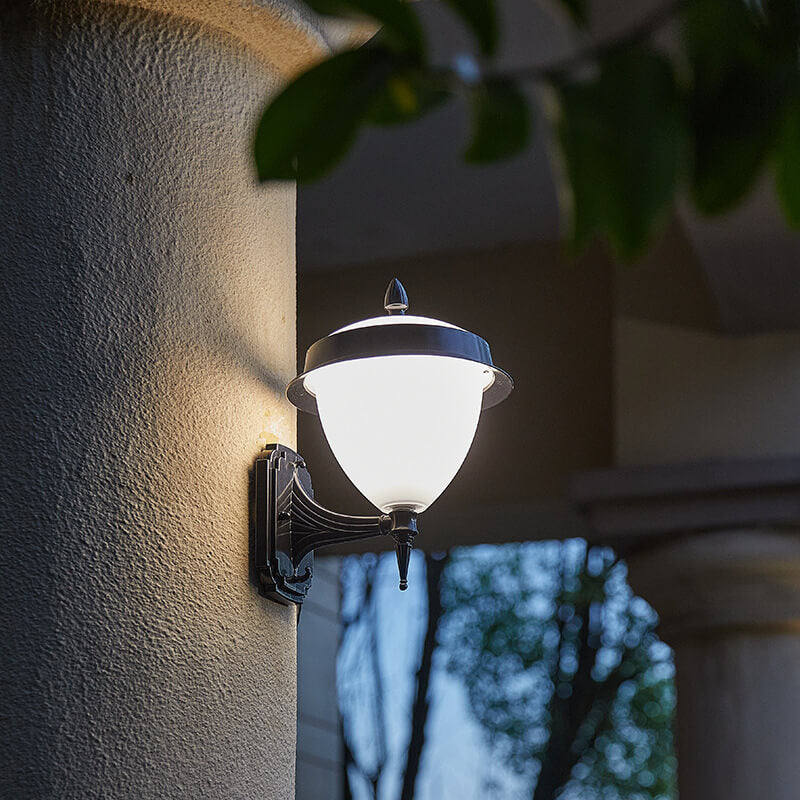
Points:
[[395, 300]]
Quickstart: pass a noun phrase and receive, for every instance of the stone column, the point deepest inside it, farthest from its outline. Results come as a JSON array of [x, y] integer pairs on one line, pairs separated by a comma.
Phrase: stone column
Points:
[[715, 548], [147, 321]]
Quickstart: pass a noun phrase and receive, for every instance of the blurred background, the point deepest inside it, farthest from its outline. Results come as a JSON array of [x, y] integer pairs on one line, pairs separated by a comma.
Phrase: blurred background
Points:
[[623, 532], [536, 665]]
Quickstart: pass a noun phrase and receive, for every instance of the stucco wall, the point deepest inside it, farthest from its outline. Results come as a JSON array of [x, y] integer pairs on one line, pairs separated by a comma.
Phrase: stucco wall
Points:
[[147, 320]]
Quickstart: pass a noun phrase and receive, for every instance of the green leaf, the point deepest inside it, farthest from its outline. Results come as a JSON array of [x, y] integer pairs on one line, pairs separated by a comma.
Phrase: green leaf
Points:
[[623, 140], [718, 34], [405, 97], [783, 23], [576, 9], [734, 125], [787, 163], [501, 122], [310, 125], [742, 68], [481, 18], [400, 25]]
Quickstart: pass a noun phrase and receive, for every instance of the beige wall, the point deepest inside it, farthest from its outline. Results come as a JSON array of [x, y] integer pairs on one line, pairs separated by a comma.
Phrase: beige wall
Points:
[[684, 394], [147, 316]]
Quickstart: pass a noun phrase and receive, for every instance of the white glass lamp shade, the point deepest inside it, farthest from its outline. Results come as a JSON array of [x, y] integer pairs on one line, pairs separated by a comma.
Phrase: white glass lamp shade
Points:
[[400, 426], [399, 399]]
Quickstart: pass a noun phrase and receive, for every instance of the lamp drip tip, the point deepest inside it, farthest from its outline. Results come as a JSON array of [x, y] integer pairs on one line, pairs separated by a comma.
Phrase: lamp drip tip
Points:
[[403, 559], [395, 300]]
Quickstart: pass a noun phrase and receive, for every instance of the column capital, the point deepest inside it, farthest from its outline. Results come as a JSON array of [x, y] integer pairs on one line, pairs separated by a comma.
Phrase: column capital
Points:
[[712, 545], [286, 34], [722, 581]]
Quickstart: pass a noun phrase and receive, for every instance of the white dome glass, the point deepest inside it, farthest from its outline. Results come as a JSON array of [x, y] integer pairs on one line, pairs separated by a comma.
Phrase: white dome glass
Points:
[[400, 426]]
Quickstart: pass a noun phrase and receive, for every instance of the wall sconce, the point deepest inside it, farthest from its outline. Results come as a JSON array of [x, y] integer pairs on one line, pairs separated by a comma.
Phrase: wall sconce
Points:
[[399, 399]]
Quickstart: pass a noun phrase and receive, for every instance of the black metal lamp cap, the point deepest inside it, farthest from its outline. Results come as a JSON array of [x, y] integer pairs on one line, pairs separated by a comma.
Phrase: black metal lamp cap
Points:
[[406, 337]]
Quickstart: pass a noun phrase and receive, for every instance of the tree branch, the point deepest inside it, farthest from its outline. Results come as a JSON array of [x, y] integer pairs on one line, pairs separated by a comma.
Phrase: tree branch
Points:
[[434, 567], [638, 33]]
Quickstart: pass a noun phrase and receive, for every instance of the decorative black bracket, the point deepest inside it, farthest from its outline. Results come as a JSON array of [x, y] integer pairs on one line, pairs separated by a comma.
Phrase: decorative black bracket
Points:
[[290, 525]]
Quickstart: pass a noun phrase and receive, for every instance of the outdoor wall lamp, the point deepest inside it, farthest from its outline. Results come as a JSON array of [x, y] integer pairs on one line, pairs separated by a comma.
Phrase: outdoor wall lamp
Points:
[[399, 399]]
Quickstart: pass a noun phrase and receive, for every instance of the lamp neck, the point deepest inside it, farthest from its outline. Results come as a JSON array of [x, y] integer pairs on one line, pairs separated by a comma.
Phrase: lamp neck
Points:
[[403, 519]]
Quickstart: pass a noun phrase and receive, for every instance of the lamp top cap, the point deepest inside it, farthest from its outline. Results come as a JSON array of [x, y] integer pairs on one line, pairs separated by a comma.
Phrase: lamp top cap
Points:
[[381, 337], [395, 300]]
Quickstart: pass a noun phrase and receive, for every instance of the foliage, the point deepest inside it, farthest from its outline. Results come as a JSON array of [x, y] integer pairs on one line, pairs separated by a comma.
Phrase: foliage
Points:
[[569, 684], [624, 154], [636, 125], [562, 669]]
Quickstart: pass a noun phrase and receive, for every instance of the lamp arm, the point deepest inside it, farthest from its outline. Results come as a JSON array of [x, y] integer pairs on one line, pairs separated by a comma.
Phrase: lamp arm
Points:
[[314, 526], [290, 525]]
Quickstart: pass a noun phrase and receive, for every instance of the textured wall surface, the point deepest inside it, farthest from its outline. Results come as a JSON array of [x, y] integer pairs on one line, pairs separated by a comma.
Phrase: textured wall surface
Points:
[[147, 325]]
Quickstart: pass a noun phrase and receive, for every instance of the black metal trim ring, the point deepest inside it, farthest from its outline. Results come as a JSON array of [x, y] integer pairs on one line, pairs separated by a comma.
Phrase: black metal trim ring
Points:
[[396, 340]]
